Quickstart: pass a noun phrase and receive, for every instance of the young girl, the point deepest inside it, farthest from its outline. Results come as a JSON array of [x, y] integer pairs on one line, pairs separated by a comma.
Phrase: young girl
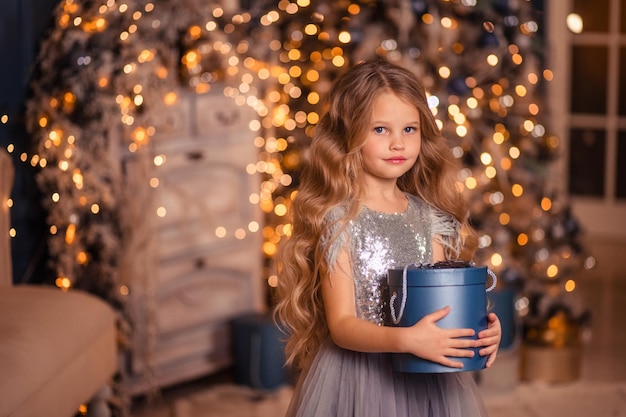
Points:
[[378, 191]]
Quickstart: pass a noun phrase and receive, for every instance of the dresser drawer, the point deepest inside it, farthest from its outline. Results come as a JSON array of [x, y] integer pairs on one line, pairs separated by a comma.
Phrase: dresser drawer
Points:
[[204, 296], [197, 200], [210, 342]]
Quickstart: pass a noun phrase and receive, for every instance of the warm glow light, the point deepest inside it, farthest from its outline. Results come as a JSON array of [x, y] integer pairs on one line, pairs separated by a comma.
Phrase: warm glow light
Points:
[[486, 158], [447, 22], [280, 210], [310, 29], [471, 183], [170, 98], [496, 259], [574, 23], [253, 227], [124, 290], [269, 248], [272, 281], [444, 72], [552, 271], [159, 160], [81, 257], [522, 239], [548, 74], [63, 282]]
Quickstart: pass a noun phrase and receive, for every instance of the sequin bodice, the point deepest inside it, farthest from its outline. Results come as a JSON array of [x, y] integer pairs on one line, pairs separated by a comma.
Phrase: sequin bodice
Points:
[[379, 241]]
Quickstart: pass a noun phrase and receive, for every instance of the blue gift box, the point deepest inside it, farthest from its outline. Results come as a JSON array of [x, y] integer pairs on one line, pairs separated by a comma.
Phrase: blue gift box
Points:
[[258, 352], [420, 290]]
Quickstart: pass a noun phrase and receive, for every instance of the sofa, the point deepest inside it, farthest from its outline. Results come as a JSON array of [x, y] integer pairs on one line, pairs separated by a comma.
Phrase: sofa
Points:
[[58, 349]]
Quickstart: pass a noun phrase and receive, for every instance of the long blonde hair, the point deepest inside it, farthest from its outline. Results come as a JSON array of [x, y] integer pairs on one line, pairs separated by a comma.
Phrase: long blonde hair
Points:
[[331, 178]]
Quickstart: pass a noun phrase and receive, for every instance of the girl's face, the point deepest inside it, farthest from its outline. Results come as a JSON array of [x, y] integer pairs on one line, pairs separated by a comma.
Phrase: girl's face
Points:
[[393, 139]]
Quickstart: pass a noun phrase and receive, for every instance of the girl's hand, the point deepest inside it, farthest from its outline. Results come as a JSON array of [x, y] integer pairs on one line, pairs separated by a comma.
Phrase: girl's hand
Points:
[[490, 338], [428, 341]]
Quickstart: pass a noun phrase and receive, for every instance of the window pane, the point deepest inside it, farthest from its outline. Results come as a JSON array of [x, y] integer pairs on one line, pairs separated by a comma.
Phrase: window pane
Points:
[[586, 162], [595, 14], [589, 78], [621, 165], [622, 80]]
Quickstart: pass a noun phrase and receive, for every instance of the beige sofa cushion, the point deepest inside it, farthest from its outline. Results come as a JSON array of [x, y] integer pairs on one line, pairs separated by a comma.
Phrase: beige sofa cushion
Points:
[[56, 349]]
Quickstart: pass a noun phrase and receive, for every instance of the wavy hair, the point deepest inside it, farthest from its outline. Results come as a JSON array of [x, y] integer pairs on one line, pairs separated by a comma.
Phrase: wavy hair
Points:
[[330, 178]]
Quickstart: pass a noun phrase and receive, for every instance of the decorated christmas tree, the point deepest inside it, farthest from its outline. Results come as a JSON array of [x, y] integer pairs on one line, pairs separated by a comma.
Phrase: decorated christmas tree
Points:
[[110, 68], [482, 64]]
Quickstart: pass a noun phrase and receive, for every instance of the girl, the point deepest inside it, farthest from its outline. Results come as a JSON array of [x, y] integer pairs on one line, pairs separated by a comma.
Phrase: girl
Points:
[[378, 191]]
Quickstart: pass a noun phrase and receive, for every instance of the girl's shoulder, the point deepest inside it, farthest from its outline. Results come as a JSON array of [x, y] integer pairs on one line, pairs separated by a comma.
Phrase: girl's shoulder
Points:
[[419, 204], [335, 234], [416, 201], [335, 215], [442, 222]]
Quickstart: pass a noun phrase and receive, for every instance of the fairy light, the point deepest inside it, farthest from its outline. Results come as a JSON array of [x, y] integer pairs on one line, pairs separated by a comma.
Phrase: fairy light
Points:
[[522, 239], [496, 259], [552, 271], [63, 283]]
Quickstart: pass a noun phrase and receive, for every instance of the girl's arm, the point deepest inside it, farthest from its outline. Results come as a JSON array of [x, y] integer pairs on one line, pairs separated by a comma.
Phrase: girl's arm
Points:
[[424, 339]]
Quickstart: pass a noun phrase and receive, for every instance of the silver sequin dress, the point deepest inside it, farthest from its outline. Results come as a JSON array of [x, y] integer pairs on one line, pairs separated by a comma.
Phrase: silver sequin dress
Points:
[[345, 383]]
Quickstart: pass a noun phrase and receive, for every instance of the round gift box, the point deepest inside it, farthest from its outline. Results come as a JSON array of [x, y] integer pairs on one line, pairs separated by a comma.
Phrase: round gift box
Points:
[[428, 289]]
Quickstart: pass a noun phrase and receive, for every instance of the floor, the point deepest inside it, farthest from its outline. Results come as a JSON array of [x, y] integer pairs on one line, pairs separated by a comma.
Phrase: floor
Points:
[[599, 390]]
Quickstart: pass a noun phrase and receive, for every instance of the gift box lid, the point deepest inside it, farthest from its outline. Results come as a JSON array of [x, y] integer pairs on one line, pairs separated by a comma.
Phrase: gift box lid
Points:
[[437, 275]]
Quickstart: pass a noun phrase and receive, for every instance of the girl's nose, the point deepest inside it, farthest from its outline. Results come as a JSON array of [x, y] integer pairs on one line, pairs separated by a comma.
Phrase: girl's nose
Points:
[[397, 142]]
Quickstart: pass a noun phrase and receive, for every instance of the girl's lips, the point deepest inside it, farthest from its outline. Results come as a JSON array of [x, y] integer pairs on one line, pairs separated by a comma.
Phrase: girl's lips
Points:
[[396, 160]]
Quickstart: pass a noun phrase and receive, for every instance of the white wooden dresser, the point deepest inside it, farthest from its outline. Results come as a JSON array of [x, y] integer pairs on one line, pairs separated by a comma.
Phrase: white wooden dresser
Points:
[[193, 264]]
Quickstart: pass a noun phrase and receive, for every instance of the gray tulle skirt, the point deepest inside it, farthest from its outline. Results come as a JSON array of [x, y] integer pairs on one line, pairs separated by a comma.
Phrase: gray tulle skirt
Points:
[[344, 383]]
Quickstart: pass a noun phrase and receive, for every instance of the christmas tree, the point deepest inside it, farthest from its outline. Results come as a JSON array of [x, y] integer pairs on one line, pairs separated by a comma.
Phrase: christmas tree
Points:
[[108, 68]]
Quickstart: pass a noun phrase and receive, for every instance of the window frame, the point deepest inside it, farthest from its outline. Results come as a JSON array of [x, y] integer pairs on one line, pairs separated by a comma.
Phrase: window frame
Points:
[[601, 215]]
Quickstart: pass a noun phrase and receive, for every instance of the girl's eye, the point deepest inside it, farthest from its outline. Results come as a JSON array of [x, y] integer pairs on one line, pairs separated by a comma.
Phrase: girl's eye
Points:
[[410, 129], [379, 129]]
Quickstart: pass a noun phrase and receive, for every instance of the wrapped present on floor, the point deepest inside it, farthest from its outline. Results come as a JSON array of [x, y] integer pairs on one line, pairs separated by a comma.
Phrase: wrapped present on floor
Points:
[[552, 351]]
